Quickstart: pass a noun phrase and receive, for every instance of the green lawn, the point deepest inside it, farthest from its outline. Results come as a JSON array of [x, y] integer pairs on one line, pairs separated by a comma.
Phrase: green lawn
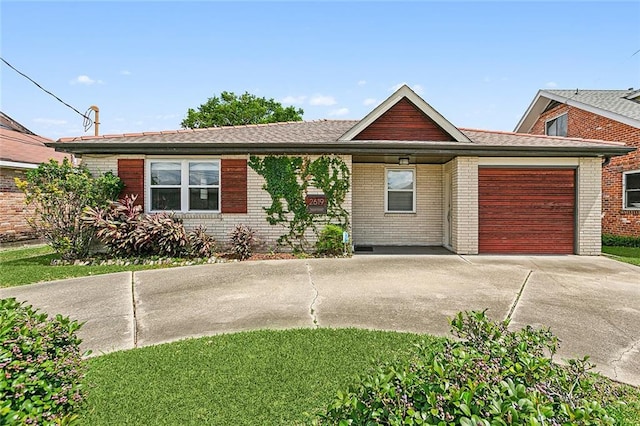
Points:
[[624, 254], [33, 264], [250, 378]]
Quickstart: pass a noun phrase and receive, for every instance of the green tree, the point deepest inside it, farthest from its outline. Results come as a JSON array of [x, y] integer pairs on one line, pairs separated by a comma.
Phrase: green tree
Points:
[[232, 110], [58, 194]]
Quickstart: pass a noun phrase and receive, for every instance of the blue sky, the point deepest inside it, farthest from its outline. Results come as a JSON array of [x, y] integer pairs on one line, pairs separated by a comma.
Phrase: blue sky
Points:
[[145, 63]]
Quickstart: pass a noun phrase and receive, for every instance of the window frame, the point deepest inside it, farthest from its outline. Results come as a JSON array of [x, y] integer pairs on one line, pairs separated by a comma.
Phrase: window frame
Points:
[[625, 190], [546, 125], [386, 189], [184, 183]]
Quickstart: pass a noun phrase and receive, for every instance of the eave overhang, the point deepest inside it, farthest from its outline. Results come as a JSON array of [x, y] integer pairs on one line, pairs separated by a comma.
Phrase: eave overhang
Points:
[[339, 147]]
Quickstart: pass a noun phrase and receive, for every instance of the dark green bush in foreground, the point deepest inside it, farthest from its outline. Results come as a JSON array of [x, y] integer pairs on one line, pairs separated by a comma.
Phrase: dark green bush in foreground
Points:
[[330, 241], [491, 377], [620, 241], [41, 366]]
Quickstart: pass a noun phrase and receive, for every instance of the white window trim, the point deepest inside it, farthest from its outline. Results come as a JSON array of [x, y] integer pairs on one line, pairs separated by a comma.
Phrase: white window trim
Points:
[[624, 190], [184, 186], [386, 190], [555, 118]]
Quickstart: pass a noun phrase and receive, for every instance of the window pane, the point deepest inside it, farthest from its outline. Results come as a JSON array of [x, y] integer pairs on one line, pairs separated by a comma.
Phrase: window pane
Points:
[[203, 173], [400, 201], [633, 181], [561, 125], [400, 179], [203, 199], [165, 199], [165, 173]]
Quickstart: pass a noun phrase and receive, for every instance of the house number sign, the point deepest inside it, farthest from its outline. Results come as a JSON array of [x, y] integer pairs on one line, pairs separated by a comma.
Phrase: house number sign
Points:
[[316, 204]]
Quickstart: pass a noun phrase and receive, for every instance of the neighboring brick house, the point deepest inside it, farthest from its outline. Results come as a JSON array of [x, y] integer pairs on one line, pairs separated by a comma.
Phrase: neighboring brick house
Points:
[[20, 151], [612, 115], [416, 179]]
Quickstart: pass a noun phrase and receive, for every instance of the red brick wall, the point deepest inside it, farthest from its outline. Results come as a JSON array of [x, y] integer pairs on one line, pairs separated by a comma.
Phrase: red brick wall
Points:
[[13, 211], [584, 124]]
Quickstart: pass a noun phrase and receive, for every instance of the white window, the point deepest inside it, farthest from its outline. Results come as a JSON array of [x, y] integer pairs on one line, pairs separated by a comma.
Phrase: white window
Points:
[[400, 193], [631, 189], [557, 126], [184, 185]]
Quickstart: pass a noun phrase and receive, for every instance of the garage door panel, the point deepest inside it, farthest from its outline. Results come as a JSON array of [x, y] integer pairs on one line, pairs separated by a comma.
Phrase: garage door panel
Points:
[[526, 210]]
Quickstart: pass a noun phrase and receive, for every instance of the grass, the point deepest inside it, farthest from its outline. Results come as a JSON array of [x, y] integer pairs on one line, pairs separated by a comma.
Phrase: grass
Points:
[[31, 265], [250, 378], [624, 254]]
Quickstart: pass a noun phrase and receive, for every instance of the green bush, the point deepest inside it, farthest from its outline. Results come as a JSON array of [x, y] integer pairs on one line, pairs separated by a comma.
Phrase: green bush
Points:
[[491, 376], [619, 240], [127, 232], [41, 366], [242, 241], [330, 241], [58, 194]]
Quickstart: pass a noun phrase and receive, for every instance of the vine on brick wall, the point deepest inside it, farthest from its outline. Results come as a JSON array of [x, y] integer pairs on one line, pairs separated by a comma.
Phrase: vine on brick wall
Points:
[[288, 181]]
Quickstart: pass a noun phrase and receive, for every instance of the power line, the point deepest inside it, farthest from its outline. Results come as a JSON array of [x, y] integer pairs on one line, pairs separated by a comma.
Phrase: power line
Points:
[[87, 120]]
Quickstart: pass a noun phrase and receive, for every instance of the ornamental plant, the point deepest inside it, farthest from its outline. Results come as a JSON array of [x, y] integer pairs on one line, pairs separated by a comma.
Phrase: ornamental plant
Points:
[[127, 232], [41, 364], [490, 377], [58, 193], [329, 241], [242, 241], [288, 180]]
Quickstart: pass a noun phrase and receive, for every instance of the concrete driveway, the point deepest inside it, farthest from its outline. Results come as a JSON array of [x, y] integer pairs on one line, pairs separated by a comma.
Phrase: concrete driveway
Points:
[[591, 303]]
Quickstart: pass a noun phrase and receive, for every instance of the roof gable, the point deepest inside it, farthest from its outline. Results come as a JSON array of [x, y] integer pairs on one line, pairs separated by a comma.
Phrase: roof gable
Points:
[[404, 116], [618, 105]]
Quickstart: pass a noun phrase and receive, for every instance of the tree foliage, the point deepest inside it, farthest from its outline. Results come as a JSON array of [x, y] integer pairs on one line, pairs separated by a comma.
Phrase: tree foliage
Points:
[[58, 194], [230, 109]]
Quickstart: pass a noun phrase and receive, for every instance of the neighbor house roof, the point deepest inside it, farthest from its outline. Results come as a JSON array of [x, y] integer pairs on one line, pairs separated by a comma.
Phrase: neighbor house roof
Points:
[[21, 148], [619, 105], [326, 136]]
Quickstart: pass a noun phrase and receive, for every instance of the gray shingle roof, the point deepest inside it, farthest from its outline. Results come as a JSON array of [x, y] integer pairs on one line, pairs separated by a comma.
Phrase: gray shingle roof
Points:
[[615, 101]]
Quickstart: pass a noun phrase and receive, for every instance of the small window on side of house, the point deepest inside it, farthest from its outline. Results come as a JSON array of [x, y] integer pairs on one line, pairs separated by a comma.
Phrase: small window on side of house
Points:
[[631, 188], [400, 191], [557, 126]]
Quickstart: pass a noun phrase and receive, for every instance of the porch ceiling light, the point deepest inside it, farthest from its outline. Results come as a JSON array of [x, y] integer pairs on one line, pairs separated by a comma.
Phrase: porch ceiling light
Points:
[[403, 161]]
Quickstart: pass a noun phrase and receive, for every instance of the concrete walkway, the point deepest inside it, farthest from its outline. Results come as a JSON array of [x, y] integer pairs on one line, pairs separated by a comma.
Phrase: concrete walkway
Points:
[[591, 303]]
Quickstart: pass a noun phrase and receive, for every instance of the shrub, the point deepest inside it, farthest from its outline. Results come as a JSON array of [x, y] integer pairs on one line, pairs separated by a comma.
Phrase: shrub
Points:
[[41, 366], [59, 193], [619, 240], [492, 376], [242, 241], [126, 232], [330, 241]]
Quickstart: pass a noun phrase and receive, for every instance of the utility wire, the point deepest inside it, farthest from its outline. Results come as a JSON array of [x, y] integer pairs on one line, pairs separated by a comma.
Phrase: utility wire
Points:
[[87, 120]]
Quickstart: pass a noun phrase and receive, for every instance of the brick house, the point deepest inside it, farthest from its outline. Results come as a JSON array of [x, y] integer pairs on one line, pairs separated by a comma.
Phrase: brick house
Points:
[[21, 150], [416, 179], [612, 115]]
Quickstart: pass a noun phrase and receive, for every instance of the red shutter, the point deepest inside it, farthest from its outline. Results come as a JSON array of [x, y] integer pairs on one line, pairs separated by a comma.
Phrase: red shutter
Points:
[[233, 181], [131, 172]]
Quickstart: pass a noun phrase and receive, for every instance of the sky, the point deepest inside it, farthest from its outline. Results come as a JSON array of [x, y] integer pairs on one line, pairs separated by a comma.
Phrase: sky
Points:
[[143, 63]]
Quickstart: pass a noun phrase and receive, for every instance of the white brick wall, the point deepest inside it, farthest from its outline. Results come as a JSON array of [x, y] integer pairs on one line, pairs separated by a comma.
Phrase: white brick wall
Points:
[[464, 206], [589, 206], [372, 226], [219, 225]]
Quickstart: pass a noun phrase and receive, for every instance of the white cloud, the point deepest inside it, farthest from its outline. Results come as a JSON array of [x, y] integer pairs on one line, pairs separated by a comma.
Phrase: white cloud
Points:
[[125, 72], [86, 80], [339, 112], [322, 100], [418, 88], [291, 100], [551, 84], [166, 116], [362, 82], [49, 121], [369, 101]]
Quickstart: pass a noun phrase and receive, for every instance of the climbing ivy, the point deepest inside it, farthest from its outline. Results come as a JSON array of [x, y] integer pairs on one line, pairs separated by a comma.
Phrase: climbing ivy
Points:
[[288, 181]]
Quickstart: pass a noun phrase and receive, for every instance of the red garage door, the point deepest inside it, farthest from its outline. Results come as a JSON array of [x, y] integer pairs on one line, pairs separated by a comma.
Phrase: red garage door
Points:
[[526, 210]]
